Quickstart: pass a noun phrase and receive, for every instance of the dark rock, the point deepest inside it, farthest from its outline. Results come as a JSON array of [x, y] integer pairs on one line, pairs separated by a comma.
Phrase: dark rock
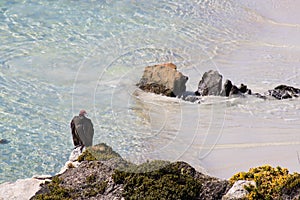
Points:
[[230, 89], [249, 92], [210, 84], [243, 88], [212, 188], [284, 92], [3, 141], [234, 91], [291, 190], [163, 79], [227, 88], [157, 89]]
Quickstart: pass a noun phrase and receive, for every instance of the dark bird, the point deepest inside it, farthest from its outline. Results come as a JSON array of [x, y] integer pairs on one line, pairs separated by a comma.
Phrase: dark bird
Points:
[[82, 130]]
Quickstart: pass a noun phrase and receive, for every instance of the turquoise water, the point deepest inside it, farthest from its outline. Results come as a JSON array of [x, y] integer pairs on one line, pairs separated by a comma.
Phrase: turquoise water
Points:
[[57, 57]]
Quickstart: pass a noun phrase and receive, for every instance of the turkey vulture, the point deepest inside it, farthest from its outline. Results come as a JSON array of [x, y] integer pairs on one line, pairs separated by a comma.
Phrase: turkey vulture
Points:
[[82, 130]]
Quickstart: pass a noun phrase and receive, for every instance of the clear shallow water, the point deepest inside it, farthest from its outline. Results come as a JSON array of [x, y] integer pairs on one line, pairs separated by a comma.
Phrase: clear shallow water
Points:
[[60, 56]]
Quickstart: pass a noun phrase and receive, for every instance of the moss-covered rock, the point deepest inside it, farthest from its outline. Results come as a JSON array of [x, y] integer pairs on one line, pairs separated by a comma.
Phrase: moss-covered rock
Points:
[[89, 181], [98, 152], [271, 183], [103, 174], [157, 180], [165, 180], [53, 191]]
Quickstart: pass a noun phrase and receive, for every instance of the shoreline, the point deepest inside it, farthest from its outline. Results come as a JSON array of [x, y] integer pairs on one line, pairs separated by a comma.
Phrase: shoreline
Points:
[[106, 157]]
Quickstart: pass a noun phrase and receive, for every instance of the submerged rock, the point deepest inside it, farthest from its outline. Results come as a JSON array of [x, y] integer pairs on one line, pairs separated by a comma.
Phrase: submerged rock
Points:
[[163, 79], [3, 141], [210, 84]]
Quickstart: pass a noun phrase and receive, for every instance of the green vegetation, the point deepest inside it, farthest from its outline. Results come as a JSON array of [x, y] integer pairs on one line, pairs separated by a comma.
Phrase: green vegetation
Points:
[[98, 152], [271, 182], [54, 191], [157, 180], [93, 187]]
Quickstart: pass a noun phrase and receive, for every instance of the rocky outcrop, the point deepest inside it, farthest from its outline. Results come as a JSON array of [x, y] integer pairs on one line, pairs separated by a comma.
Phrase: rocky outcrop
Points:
[[284, 92], [22, 189], [90, 180], [103, 174], [211, 81], [73, 159], [231, 90], [163, 79], [210, 84]]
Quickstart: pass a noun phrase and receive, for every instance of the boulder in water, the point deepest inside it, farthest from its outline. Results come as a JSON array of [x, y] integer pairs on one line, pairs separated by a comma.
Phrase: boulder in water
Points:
[[163, 79], [210, 84], [230, 90], [284, 92]]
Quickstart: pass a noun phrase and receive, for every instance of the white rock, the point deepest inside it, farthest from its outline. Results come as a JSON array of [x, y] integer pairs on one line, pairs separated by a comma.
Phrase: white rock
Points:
[[72, 159], [22, 189], [237, 191], [210, 84], [76, 153]]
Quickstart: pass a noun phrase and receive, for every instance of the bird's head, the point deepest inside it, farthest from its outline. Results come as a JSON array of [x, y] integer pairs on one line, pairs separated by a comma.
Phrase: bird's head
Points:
[[82, 113]]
